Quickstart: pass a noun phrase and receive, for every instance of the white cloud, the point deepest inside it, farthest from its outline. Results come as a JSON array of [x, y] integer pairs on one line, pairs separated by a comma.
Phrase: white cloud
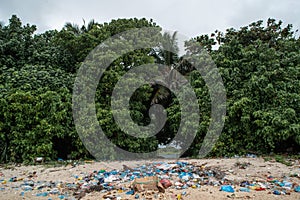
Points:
[[190, 18]]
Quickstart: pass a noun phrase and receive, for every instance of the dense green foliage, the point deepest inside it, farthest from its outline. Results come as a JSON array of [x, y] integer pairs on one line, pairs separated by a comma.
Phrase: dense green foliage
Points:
[[260, 68]]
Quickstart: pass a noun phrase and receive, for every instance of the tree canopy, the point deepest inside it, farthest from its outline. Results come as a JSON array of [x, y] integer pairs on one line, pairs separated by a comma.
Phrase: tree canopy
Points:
[[259, 65]]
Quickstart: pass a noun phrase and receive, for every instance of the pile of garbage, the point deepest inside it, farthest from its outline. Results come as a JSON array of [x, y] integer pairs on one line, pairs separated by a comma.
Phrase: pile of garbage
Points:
[[149, 181]]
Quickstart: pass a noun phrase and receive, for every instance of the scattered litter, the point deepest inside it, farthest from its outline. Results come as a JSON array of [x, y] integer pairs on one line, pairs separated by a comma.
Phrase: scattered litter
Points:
[[227, 188], [149, 181]]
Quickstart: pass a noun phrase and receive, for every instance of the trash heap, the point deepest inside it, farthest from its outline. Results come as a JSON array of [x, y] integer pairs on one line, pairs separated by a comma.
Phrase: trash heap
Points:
[[151, 181]]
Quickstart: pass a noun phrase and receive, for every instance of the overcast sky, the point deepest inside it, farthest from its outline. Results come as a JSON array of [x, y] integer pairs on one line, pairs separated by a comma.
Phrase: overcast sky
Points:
[[190, 17]]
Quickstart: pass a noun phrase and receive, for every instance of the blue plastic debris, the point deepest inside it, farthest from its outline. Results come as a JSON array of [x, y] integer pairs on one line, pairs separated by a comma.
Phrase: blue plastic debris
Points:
[[227, 188], [43, 194], [276, 192], [244, 189], [297, 189], [130, 192]]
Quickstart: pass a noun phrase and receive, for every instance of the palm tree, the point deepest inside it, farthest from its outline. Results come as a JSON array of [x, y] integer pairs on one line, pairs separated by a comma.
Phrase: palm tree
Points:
[[89, 26], [72, 28], [167, 54], [84, 28]]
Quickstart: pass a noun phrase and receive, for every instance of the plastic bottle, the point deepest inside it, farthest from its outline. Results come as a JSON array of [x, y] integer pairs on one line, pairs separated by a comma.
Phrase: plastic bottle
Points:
[[287, 184], [54, 191], [276, 192], [130, 192], [27, 188], [244, 184], [244, 189], [297, 189], [260, 189], [178, 196], [43, 194]]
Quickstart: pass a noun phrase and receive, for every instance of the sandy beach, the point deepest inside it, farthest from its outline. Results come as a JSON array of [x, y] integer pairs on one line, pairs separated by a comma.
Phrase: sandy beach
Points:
[[235, 170]]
